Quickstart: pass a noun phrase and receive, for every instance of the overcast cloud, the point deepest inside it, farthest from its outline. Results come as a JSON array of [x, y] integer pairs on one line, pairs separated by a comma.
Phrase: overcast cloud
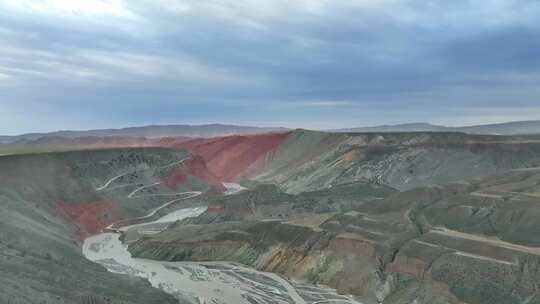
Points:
[[78, 64]]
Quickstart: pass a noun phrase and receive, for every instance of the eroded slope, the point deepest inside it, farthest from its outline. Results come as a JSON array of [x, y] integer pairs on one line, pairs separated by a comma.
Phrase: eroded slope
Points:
[[50, 202], [467, 242]]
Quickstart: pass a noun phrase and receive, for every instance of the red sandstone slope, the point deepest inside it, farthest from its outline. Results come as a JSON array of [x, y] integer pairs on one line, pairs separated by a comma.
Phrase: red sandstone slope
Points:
[[90, 217], [195, 167], [229, 157]]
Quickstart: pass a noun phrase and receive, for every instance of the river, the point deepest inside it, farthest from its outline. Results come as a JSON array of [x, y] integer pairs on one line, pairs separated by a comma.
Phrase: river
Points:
[[204, 283]]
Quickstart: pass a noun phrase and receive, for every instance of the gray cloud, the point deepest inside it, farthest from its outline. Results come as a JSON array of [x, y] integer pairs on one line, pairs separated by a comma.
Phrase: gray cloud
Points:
[[425, 55]]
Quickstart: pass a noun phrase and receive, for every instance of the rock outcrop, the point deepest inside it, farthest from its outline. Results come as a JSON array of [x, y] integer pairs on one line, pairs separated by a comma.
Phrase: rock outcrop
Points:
[[456, 243]]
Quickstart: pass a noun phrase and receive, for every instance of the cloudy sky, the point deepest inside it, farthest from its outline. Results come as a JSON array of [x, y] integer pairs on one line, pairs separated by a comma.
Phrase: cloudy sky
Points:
[[80, 64]]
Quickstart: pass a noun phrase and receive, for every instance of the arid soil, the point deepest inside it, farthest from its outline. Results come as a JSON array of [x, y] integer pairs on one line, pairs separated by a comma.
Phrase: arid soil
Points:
[[391, 218]]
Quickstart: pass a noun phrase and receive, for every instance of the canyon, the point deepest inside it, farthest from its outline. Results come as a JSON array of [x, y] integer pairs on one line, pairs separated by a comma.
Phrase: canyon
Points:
[[395, 218]]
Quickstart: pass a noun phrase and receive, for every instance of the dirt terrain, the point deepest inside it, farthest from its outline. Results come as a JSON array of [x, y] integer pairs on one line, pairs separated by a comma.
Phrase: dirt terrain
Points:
[[441, 244], [390, 218], [50, 202]]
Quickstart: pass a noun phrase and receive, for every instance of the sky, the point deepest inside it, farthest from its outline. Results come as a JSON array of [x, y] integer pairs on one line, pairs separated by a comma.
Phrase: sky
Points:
[[86, 64]]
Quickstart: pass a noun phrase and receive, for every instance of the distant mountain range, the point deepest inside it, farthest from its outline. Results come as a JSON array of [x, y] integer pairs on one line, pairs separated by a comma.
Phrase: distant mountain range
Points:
[[153, 131], [508, 128], [215, 130]]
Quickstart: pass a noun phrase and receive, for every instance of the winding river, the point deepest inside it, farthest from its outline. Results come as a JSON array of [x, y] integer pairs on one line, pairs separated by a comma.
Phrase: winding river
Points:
[[203, 283]]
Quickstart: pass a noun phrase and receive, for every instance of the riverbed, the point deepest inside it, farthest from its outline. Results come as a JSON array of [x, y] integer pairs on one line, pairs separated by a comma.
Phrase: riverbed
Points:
[[204, 283]]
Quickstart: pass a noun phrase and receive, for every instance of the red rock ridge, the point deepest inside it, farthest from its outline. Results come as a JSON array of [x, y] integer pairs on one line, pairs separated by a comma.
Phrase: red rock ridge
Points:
[[229, 157], [195, 166], [89, 217]]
